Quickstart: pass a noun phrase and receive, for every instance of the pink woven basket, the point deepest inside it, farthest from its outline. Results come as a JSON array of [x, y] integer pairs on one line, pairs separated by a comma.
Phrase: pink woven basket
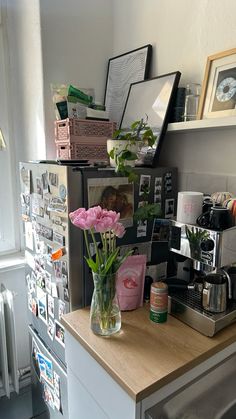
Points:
[[83, 139]]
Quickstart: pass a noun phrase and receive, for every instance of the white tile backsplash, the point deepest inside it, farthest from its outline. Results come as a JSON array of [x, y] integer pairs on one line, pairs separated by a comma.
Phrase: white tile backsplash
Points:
[[231, 184], [206, 183]]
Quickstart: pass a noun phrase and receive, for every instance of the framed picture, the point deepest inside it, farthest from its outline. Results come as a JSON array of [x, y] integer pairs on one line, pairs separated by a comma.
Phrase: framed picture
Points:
[[152, 101], [218, 97], [122, 70]]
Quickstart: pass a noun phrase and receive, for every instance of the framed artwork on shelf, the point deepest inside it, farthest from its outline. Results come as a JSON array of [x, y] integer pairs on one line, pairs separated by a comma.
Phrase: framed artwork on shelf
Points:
[[131, 67], [218, 97], [151, 100]]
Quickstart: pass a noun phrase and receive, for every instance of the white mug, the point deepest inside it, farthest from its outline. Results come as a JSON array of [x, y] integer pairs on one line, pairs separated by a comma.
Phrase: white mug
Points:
[[189, 206]]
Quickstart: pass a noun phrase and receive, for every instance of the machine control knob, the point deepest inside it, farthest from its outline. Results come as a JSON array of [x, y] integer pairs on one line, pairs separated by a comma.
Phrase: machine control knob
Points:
[[207, 245]]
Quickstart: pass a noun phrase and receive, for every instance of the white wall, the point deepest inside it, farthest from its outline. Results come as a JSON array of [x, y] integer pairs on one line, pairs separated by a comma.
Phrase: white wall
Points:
[[183, 34], [76, 46], [26, 80]]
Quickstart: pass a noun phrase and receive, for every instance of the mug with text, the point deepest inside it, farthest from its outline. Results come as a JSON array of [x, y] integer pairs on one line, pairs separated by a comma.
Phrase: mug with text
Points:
[[189, 206]]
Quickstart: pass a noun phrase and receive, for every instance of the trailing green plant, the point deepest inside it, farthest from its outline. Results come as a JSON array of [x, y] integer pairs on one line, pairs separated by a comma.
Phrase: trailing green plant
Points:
[[139, 132], [147, 212]]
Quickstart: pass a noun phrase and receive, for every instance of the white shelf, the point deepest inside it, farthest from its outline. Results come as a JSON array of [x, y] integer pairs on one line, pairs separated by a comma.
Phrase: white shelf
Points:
[[202, 124]]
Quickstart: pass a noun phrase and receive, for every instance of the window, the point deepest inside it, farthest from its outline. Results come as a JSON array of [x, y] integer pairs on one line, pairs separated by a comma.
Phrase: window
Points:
[[8, 176]]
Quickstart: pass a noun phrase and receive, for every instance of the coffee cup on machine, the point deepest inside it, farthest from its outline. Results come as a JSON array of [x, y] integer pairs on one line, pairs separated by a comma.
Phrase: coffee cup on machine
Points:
[[217, 218], [189, 206]]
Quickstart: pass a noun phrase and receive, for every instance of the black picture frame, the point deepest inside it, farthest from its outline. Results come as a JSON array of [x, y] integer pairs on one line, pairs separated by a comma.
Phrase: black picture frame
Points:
[[124, 69], [151, 100]]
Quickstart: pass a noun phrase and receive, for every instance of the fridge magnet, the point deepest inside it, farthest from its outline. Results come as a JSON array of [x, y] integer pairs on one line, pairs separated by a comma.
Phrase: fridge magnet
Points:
[[44, 231], [25, 177], [60, 333], [157, 189], [56, 382], [144, 185], [57, 403], [34, 307], [37, 205], [115, 194], [64, 267], [51, 306], [57, 267], [66, 295], [64, 280], [168, 176], [29, 239], [169, 208], [57, 204], [45, 182], [62, 192], [40, 281], [53, 179], [161, 230], [48, 282], [57, 254], [61, 308], [42, 308], [39, 186], [49, 250], [157, 199], [168, 189], [51, 329], [48, 396], [142, 228], [45, 367], [58, 221], [158, 181], [58, 238], [45, 208], [54, 290]]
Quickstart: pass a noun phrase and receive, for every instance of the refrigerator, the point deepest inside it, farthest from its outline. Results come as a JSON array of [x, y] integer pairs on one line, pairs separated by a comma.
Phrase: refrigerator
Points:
[[58, 279]]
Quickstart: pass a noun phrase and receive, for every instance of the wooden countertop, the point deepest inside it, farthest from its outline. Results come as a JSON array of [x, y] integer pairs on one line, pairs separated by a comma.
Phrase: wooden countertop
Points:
[[145, 356]]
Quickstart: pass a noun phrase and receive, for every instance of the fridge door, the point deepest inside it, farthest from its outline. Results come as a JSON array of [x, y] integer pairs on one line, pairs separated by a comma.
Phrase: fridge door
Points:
[[49, 381], [44, 199]]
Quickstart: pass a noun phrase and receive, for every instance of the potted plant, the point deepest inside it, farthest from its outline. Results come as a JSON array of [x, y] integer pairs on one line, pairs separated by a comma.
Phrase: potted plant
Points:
[[124, 147]]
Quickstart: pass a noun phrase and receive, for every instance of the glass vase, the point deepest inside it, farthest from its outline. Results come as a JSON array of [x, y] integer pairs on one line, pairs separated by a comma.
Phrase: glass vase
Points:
[[105, 315]]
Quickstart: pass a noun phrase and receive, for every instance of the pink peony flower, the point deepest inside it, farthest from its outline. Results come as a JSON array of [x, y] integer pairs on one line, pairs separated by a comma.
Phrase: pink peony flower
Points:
[[119, 230], [76, 213], [86, 219], [107, 221]]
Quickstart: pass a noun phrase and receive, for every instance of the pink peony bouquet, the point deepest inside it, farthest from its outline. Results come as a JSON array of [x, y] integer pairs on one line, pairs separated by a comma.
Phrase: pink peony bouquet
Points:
[[106, 223]]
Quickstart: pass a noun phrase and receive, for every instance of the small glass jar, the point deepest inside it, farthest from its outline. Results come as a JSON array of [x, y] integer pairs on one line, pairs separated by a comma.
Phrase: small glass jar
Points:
[[193, 91]]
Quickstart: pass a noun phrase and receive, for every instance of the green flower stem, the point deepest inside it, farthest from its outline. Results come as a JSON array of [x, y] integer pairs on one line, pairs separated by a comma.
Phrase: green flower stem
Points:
[[87, 244], [96, 247]]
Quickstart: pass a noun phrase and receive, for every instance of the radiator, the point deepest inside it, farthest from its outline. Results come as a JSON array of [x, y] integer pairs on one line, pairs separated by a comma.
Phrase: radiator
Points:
[[9, 377]]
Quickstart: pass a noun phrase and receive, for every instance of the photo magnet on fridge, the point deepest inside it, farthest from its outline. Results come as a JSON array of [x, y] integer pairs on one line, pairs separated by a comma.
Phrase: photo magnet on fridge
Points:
[[59, 333], [161, 230], [25, 177], [51, 306], [169, 208], [51, 329], [144, 185], [42, 308], [45, 367], [48, 395]]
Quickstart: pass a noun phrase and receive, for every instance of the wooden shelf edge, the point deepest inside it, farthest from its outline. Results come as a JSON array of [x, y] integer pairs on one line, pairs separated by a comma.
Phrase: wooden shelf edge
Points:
[[202, 124]]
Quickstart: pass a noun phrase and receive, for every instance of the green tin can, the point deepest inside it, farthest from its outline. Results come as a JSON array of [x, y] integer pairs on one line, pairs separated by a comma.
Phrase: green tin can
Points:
[[158, 302]]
